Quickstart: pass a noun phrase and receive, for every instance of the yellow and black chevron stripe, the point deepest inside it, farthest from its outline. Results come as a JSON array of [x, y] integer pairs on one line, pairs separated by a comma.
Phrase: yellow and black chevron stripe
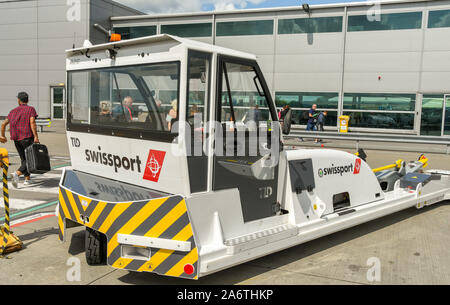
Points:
[[5, 167], [165, 218]]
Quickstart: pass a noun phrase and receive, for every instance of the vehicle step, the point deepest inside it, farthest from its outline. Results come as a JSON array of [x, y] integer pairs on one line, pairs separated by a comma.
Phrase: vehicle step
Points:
[[260, 238]]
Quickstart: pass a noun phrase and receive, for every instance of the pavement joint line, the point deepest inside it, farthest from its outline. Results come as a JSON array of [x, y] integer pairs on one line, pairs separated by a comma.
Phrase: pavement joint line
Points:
[[102, 276], [308, 274]]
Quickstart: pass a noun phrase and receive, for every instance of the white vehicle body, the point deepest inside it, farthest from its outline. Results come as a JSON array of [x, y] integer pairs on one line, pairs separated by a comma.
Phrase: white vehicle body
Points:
[[153, 216]]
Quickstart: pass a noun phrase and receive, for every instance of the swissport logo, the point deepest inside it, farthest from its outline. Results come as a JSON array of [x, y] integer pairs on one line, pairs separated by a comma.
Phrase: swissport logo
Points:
[[340, 170], [154, 165]]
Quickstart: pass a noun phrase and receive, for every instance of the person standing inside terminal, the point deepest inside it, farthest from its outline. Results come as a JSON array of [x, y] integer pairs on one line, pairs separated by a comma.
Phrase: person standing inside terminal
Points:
[[23, 131]]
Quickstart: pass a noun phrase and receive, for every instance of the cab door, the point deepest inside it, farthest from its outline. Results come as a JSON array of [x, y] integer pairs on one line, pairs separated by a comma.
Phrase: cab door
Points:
[[246, 157]]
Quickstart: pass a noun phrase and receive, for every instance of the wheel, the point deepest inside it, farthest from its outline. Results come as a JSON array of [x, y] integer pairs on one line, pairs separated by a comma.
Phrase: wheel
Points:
[[95, 246]]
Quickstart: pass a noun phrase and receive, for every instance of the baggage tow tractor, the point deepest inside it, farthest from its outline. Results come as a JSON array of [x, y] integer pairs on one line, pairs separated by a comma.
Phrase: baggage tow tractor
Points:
[[149, 205]]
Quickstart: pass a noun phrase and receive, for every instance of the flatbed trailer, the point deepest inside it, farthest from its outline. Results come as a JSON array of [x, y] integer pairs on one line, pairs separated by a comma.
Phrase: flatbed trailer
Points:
[[182, 182]]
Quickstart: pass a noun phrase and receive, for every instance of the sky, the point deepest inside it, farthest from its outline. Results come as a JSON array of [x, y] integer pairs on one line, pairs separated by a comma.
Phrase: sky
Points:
[[181, 6]]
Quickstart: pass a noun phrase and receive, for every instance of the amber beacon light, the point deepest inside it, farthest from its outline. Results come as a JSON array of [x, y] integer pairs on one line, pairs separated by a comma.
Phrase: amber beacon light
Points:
[[115, 37]]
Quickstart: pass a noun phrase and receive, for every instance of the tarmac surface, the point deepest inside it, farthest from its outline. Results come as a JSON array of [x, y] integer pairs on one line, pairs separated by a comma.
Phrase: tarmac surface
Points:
[[411, 246]]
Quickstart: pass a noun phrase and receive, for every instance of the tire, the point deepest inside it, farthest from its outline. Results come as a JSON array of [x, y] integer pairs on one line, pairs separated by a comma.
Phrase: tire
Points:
[[95, 246]]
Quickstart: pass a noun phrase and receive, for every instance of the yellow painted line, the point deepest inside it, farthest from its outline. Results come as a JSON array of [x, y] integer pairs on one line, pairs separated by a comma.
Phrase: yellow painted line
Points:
[[178, 269], [128, 228], [167, 220], [62, 204], [115, 213]]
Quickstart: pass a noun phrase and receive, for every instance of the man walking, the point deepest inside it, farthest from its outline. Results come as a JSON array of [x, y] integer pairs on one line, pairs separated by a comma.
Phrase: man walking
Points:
[[23, 132]]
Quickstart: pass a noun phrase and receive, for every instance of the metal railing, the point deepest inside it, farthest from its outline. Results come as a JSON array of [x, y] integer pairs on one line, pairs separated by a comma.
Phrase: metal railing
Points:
[[373, 137]]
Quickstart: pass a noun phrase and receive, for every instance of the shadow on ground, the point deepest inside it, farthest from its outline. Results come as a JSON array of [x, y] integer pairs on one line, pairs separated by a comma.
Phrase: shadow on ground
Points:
[[259, 266]]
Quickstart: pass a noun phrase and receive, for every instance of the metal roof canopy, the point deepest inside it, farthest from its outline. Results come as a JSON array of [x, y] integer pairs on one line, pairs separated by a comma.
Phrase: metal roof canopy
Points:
[[188, 43]]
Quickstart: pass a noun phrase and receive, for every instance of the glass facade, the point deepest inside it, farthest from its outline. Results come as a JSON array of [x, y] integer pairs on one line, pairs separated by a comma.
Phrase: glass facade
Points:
[[431, 120], [381, 120], [384, 107], [301, 102], [377, 101], [136, 31], [447, 117], [239, 28], [396, 21], [439, 19], [188, 30], [310, 25]]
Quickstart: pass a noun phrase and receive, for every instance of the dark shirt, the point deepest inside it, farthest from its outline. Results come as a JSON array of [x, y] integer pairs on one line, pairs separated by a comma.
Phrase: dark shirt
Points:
[[19, 119], [312, 119]]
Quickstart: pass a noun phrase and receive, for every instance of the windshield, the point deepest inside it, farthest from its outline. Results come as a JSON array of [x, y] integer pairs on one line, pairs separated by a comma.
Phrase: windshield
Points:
[[143, 97]]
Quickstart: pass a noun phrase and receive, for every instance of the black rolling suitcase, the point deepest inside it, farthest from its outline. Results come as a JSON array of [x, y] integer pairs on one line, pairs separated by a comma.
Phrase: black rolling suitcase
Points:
[[38, 160]]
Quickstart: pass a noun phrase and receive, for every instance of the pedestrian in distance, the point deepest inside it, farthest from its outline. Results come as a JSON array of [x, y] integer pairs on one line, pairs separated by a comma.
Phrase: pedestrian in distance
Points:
[[23, 132], [321, 122], [312, 118]]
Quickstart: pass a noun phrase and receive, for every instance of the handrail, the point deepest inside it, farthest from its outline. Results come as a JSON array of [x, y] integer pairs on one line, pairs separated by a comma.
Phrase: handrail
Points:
[[358, 137]]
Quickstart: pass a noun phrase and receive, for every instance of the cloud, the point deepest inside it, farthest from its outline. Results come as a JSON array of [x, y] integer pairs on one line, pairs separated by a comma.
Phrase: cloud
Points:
[[180, 6]]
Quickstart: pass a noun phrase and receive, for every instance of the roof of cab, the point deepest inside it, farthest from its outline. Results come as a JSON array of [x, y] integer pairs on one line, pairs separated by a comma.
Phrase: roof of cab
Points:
[[190, 44]]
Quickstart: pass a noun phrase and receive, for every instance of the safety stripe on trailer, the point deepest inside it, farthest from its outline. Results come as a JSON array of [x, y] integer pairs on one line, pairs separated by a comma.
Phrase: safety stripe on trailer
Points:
[[165, 218]]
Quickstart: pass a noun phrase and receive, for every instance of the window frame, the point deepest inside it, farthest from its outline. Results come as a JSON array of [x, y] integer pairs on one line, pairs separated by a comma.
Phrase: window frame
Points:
[[139, 26], [204, 55], [223, 59], [219, 24], [430, 13], [187, 24], [349, 26], [316, 18], [142, 134]]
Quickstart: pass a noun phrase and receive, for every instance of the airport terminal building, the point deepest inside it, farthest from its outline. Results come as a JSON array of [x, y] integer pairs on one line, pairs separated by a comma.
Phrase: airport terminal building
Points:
[[387, 66], [34, 35]]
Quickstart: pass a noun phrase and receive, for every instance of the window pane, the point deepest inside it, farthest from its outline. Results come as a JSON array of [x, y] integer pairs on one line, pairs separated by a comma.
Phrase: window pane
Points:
[[388, 102], [188, 30], [198, 89], [397, 21], [58, 95], [431, 121], [307, 99], [248, 105], [447, 117], [300, 117], [126, 97], [439, 19], [257, 27], [310, 25], [381, 120], [136, 31]]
